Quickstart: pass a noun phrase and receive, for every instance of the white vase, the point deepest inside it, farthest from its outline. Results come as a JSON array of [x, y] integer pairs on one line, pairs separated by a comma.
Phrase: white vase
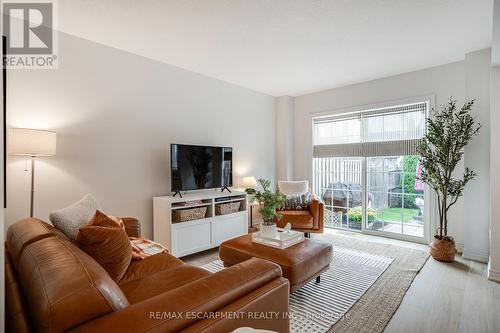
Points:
[[268, 231]]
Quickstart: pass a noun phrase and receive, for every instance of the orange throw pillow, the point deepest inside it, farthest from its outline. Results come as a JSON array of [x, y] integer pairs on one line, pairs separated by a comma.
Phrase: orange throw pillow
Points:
[[104, 239]]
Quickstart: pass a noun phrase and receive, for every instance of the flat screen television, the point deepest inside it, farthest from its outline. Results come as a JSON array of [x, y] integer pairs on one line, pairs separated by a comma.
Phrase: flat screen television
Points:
[[200, 167]]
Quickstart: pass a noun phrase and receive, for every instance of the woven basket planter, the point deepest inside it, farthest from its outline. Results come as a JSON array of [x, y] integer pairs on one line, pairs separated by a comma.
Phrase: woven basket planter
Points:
[[189, 214], [443, 250], [227, 208]]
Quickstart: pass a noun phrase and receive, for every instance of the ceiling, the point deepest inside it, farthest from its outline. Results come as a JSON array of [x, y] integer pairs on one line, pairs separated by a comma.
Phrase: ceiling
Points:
[[292, 47]]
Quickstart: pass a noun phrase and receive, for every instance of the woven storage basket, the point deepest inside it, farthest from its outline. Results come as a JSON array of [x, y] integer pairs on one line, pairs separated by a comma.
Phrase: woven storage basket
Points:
[[189, 214], [443, 250], [227, 208]]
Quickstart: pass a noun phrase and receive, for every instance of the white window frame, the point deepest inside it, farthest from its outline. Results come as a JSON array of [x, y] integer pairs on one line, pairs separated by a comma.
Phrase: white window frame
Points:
[[430, 211]]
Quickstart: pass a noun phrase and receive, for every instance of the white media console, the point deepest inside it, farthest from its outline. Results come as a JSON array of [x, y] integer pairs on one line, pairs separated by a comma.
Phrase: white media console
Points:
[[183, 238]]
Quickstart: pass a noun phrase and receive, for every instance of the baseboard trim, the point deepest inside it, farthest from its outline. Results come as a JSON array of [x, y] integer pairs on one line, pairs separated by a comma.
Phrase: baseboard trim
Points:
[[493, 275], [476, 256]]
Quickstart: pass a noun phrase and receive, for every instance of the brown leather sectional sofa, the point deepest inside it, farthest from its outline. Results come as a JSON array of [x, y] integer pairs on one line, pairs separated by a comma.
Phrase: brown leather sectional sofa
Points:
[[53, 286]]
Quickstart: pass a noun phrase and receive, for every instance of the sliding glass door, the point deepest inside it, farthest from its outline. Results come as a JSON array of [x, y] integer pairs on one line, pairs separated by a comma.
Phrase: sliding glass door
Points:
[[395, 198], [339, 180], [366, 170]]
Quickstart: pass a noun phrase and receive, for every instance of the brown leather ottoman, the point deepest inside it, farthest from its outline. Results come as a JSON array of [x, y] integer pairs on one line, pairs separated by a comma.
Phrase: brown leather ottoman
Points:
[[300, 263]]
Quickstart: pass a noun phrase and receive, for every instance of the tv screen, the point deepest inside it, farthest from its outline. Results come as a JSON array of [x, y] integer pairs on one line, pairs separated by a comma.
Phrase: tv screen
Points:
[[200, 167]]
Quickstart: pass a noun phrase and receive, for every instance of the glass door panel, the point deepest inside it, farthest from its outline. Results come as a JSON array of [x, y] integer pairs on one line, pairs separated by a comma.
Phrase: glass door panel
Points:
[[394, 196], [394, 200], [338, 182]]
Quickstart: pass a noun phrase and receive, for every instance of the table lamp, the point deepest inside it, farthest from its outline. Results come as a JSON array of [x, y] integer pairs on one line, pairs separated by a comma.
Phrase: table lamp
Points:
[[33, 143], [250, 184]]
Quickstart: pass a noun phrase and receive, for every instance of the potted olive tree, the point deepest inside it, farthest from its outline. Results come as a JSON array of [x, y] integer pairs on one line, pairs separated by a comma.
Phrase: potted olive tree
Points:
[[269, 202], [449, 130]]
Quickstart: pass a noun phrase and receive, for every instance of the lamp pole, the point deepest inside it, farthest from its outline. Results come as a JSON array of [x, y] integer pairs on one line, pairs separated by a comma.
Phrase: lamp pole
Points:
[[32, 184]]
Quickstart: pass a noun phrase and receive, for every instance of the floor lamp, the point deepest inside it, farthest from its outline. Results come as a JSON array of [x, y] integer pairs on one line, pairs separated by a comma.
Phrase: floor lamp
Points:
[[33, 143]]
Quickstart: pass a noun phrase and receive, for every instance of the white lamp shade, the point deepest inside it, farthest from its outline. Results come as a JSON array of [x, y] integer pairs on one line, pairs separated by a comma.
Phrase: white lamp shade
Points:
[[31, 142], [249, 182]]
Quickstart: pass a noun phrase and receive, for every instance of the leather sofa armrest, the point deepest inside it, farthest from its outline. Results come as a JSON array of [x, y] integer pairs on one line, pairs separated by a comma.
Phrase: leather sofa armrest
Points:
[[317, 211], [132, 226], [176, 309]]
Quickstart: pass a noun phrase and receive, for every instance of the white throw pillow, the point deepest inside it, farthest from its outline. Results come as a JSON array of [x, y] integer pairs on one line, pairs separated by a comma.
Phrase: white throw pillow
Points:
[[293, 187], [70, 219]]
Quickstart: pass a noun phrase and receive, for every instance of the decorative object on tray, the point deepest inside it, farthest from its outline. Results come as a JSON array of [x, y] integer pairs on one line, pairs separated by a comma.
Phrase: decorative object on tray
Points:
[[270, 202], [227, 208], [281, 240], [268, 230], [189, 214], [441, 149], [250, 184]]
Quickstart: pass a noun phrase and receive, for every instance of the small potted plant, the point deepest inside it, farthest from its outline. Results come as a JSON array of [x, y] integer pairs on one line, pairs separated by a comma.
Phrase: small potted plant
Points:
[[269, 202], [442, 148]]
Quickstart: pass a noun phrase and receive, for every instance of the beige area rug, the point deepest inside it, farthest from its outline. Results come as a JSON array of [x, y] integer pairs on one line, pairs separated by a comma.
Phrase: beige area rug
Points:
[[373, 311], [355, 307]]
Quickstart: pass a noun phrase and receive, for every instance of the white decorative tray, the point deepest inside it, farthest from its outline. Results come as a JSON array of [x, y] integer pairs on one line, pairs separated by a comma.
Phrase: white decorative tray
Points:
[[281, 241]]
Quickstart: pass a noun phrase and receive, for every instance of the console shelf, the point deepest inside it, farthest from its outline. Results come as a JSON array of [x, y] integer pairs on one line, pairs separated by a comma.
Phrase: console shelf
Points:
[[184, 238]]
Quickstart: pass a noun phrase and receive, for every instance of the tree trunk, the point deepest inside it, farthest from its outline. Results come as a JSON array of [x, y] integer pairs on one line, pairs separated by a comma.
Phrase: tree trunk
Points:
[[445, 217]]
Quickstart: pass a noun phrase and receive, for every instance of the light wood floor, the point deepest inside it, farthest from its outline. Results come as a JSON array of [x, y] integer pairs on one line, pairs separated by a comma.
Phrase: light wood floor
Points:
[[444, 297], [454, 297]]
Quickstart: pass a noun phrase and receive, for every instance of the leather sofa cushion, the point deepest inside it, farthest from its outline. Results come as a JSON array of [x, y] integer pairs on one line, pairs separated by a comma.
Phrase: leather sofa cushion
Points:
[[105, 240], [64, 286], [16, 311], [23, 233], [150, 265], [161, 282], [299, 219]]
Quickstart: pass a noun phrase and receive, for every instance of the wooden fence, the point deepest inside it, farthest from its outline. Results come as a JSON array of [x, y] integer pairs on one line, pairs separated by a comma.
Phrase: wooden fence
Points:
[[328, 170]]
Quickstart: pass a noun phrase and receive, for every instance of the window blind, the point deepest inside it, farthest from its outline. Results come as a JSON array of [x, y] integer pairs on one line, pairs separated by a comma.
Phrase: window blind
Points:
[[387, 131]]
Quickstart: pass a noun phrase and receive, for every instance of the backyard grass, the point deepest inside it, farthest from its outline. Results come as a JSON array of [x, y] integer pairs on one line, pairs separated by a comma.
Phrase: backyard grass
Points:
[[394, 214]]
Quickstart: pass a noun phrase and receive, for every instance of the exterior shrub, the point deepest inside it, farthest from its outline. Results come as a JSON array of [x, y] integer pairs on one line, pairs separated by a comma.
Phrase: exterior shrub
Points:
[[355, 215], [407, 182]]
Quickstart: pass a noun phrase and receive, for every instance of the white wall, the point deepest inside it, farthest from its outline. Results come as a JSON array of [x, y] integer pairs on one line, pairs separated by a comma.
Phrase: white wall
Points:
[[495, 45], [284, 138], [494, 264], [442, 82], [116, 114], [477, 158]]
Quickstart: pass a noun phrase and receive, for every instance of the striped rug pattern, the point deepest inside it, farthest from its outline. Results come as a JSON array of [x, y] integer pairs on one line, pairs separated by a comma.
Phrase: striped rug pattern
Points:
[[316, 307]]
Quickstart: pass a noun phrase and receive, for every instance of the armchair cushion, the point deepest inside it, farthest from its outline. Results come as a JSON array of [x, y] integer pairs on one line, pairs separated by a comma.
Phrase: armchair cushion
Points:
[[299, 219], [297, 201], [293, 187]]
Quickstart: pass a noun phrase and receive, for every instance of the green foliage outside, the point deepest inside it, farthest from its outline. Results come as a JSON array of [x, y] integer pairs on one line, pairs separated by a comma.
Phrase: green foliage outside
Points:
[[356, 215], [387, 214], [398, 214], [407, 181]]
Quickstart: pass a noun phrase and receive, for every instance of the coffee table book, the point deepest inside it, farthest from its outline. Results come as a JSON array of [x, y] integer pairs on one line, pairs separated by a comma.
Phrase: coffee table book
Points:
[[282, 240]]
